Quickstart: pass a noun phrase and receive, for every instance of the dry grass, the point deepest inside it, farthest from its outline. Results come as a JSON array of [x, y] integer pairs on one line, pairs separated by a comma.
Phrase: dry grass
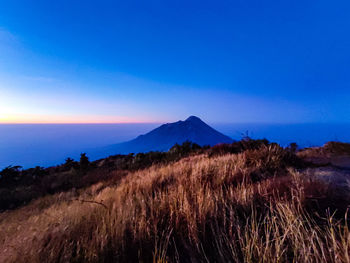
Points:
[[249, 207], [328, 150], [332, 153]]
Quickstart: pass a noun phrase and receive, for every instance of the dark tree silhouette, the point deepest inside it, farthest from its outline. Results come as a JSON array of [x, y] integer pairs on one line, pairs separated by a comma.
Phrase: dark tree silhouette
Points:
[[293, 147], [84, 162]]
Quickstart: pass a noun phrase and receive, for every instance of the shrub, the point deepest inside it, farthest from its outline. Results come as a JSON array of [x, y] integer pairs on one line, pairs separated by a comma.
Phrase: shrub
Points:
[[337, 147], [237, 147], [84, 163], [10, 174]]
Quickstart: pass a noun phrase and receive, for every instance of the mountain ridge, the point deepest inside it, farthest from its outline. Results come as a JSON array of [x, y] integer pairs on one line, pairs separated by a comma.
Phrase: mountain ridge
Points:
[[166, 135]]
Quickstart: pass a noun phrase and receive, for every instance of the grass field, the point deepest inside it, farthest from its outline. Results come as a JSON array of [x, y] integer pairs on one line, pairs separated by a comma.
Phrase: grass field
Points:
[[255, 206]]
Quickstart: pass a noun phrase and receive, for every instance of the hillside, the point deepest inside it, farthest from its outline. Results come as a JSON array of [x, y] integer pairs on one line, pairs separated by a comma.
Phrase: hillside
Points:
[[193, 129], [258, 204]]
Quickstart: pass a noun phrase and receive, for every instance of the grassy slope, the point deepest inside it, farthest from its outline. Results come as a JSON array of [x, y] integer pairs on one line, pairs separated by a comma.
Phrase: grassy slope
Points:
[[249, 207]]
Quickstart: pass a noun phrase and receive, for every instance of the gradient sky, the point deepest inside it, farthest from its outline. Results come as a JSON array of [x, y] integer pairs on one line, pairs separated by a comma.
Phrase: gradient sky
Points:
[[154, 61]]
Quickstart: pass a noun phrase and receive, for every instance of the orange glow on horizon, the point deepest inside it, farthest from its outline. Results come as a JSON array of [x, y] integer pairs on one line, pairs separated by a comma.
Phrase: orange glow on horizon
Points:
[[45, 119]]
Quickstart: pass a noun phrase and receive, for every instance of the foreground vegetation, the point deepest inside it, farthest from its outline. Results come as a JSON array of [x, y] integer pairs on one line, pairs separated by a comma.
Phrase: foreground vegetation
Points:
[[18, 186], [247, 202]]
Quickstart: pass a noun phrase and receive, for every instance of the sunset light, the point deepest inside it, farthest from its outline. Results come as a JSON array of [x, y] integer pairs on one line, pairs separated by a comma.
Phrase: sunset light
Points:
[[174, 131]]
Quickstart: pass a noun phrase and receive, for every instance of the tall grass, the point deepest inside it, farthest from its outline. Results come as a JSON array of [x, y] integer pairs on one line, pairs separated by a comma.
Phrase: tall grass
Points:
[[248, 207]]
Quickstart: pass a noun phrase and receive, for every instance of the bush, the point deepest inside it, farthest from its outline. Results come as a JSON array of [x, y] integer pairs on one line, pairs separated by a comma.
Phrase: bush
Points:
[[10, 175], [84, 163], [337, 148], [237, 147]]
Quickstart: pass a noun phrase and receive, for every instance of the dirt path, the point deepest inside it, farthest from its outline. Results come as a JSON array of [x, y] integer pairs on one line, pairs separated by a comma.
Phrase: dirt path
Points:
[[338, 178]]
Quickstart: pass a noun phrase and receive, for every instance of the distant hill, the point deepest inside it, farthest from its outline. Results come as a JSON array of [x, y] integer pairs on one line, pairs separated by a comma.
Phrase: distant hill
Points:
[[164, 137]]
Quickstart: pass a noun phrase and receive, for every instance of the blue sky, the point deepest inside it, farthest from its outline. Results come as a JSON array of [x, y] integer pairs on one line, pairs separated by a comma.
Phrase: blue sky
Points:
[[154, 61]]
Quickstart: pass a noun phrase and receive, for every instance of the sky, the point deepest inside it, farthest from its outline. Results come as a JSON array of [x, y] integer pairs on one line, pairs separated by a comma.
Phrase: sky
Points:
[[157, 61]]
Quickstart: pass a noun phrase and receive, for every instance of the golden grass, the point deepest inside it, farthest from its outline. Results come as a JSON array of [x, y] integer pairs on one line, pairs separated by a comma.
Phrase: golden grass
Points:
[[231, 208], [327, 150]]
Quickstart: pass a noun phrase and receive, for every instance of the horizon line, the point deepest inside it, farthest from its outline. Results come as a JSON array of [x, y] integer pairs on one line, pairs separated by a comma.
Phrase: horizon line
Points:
[[160, 122], [122, 122]]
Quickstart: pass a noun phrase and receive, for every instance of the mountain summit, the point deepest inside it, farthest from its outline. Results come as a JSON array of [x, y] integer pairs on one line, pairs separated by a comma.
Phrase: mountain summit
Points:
[[165, 136], [194, 119]]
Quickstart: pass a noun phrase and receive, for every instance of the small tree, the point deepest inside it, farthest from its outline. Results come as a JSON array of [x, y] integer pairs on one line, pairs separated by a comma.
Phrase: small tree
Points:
[[69, 164], [10, 174], [84, 162], [293, 147], [69, 161]]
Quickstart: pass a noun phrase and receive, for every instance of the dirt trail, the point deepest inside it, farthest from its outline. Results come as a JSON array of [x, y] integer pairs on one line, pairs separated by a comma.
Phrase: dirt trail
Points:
[[336, 173]]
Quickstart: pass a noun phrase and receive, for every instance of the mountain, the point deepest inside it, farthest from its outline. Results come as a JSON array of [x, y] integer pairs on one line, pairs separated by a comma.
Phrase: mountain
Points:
[[164, 137]]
